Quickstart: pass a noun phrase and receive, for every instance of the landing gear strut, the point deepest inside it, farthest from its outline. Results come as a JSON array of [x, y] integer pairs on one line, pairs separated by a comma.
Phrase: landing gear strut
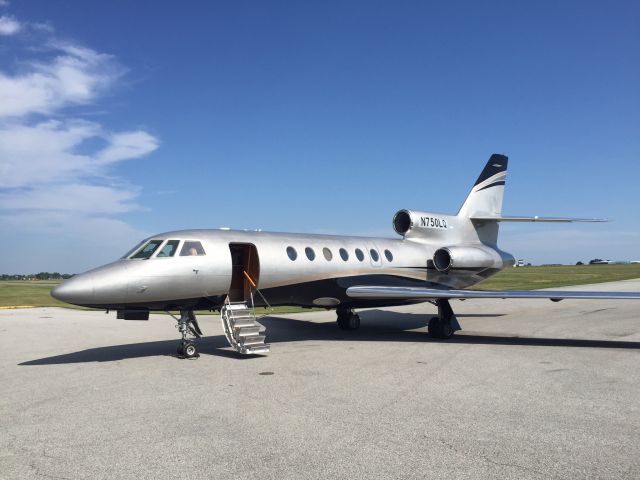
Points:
[[348, 319], [190, 330], [445, 324]]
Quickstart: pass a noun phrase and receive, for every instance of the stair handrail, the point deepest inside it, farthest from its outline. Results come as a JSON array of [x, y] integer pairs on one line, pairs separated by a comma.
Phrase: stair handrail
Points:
[[255, 287]]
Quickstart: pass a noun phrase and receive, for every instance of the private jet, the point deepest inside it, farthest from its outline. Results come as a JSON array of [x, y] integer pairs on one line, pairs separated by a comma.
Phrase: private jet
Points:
[[436, 259]]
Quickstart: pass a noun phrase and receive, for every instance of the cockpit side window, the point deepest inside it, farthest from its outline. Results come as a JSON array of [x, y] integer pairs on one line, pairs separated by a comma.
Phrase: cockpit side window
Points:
[[148, 249], [169, 249], [191, 248]]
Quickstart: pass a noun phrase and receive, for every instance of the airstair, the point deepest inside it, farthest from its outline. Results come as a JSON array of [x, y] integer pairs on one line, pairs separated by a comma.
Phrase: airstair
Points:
[[242, 329]]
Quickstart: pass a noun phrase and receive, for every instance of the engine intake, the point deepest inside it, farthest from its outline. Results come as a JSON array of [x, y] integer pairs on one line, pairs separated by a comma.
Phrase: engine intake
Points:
[[462, 258], [402, 222], [416, 224]]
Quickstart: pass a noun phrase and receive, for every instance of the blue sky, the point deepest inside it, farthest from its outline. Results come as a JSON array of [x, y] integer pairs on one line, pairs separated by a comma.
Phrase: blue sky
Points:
[[123, 119]]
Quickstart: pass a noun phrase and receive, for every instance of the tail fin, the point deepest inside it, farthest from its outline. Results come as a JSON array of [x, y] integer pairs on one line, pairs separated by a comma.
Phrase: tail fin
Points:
[[485, 198]]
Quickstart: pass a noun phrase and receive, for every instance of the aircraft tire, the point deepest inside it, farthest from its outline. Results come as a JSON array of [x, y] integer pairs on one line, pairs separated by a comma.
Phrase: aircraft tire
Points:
[[434, 327], [189, 350], [350, 321], [446, 330], [439, 329]]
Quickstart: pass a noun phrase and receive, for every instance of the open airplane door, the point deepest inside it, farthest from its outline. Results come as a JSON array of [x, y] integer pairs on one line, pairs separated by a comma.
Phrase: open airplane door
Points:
[[245, 272]]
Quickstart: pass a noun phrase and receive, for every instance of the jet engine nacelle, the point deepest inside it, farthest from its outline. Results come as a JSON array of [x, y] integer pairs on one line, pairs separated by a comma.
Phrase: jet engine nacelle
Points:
[[465, 258], [413, 223]]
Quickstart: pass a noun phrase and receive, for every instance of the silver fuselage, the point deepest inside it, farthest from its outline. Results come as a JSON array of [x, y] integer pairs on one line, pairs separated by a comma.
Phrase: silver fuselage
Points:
[[204, 281]]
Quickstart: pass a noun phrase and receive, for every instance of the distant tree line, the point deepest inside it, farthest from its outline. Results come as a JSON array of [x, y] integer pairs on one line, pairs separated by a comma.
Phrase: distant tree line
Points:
[[37, 276]]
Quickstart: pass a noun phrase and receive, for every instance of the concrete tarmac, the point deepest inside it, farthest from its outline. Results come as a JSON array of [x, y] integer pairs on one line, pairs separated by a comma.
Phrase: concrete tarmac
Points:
[[529, 389]]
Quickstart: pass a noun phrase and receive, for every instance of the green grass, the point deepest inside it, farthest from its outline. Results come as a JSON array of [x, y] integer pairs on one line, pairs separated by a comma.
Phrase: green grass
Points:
[[32, 293], [531, 278], [36, 293]]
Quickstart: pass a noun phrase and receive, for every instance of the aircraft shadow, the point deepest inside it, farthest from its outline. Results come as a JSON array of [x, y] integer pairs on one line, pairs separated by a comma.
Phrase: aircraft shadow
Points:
[[213, 345], [383, 326], [377, 325]]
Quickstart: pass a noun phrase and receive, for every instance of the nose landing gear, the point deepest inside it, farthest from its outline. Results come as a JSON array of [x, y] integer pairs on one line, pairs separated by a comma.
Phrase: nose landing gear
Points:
[[190, 330]]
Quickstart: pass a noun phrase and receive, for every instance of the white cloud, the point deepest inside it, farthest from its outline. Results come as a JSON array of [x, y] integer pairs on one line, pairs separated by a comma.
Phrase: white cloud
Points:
[[75, 76], [4, 3], [44, 152], [47, 152], [9, 25], [127, 145], [56, 171], [91, 199]]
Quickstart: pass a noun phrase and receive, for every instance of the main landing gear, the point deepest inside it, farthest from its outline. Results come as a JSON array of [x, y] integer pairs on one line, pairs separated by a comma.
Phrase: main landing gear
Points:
[[348, 319], [445, 324], [190, 330]]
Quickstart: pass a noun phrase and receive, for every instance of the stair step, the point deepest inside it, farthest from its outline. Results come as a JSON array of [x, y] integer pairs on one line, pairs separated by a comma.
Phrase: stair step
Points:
[[253, 340], [257, 349], [248, 331], [242, 329], [244, 322], [236, 306]]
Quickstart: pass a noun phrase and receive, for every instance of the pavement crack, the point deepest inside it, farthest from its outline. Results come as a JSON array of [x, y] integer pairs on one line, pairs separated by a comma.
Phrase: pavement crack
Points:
[[598, 310]]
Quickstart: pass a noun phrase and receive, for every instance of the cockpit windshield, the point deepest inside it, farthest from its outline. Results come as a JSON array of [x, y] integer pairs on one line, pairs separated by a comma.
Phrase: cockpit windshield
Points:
[[147, 250], [169, 249]]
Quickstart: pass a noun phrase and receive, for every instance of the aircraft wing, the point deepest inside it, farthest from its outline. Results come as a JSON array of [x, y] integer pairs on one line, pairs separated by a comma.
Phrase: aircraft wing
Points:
[[416, 293], [500, 218]]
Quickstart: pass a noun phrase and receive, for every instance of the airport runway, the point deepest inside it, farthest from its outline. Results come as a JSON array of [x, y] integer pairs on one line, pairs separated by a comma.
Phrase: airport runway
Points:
[[529, 389]]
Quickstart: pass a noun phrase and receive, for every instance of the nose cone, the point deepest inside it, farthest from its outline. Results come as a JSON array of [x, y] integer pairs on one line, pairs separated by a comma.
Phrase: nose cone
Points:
[[78, 290]]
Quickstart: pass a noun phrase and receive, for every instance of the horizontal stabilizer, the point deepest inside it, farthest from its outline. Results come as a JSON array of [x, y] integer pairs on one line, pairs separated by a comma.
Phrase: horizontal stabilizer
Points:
[[534, 219], [416, 293]]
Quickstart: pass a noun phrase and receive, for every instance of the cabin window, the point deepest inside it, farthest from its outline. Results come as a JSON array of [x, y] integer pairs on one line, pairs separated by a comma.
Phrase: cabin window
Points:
[[327, 254], [291, 253], [359, 254], [344, 254], [192, 248], [311, 255], [374, 254], [148, 249], [169, 249], [389, 255]]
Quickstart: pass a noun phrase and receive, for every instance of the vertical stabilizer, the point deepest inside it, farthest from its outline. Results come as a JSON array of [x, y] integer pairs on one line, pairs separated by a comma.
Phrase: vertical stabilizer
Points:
[[485, 199]]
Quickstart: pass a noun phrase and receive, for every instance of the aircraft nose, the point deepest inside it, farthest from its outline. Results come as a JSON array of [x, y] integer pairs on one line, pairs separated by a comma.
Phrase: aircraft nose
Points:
[[78, 290]]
